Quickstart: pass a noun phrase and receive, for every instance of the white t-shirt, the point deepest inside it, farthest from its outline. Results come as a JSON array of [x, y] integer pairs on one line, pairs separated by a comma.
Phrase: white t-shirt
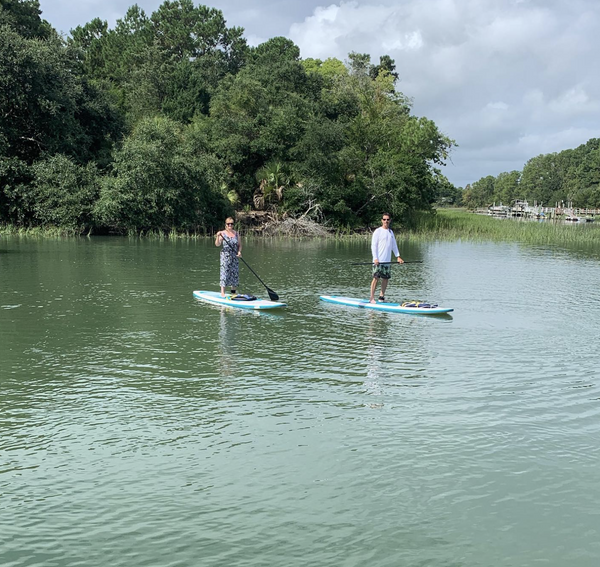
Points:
[[383, 243]]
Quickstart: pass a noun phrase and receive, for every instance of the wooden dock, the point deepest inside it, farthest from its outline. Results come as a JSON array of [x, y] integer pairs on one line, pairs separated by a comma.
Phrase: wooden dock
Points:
[[522, 209]]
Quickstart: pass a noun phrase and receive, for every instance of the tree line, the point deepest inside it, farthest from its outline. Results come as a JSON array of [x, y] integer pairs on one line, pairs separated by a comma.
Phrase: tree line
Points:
[[570, 177], [171, 121]]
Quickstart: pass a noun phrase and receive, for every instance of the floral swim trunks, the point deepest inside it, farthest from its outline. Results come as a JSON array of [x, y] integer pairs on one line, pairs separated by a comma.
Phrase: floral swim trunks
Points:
[[383, 271]]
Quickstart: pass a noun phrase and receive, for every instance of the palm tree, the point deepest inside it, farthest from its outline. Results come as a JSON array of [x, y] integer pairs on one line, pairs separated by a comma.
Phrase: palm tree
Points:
[[273, 178]]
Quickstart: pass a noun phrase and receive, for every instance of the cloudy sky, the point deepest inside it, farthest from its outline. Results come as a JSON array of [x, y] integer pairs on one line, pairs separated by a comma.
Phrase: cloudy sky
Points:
[[507, 79]]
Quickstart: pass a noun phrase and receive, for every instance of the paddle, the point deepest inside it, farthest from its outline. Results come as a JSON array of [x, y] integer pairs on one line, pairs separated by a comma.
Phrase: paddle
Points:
[[372, 264], [272, 295]]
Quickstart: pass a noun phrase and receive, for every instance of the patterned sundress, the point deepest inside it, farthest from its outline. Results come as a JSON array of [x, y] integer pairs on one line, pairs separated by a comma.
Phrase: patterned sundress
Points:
[[230, 265]]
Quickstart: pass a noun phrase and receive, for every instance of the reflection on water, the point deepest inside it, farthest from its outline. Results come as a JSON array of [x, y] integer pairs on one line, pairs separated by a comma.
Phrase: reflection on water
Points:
[[142, 427], [228, 328], [232, 323], [375, 353]]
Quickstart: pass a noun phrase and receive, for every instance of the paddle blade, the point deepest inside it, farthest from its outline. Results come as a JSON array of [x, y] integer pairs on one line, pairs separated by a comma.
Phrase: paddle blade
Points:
[[272, 295]]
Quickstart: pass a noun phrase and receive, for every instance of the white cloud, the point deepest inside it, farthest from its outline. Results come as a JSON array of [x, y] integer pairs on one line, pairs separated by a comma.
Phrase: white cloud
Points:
[[513, 78], [497, 106], [574, 101], [408, 42]]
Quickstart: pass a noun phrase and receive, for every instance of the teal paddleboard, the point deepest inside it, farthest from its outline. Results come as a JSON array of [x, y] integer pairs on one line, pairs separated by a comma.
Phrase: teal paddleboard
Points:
[[215, 298], [426, 309]]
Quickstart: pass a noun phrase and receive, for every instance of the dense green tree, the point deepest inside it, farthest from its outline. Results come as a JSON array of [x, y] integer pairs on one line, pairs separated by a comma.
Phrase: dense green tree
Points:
[[189, 89], [46, 106], [189, 32], [466, 196], [169, 62], [24, 17], [159, 184], [17, 196], [389, 154], [317, 155], [276, 65], [65, 193], [386, 65], [480, 193], [89, 40], [587, 174], [148, 85], [507, 188], [359, 64], [542, 179], [570, 178], [212, 123], [330, 68], [446, 193], [260, 114]]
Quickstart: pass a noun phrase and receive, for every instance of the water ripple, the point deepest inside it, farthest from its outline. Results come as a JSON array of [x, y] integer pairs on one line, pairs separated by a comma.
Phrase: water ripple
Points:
[[141, 427]]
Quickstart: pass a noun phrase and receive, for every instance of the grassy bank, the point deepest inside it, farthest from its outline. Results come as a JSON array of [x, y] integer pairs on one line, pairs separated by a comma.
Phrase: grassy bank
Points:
[[447, 224], [452, 224], [37, 231], [61, 232]]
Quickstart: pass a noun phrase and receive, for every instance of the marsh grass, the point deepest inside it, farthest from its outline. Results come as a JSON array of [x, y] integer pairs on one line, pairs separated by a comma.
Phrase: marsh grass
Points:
[[447, 224], [450, 224], [38, 231], [60, 232]]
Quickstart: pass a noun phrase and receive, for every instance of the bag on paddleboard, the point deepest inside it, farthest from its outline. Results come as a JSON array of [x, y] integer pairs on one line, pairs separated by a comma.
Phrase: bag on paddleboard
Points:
[[420, 304], [243, 297]]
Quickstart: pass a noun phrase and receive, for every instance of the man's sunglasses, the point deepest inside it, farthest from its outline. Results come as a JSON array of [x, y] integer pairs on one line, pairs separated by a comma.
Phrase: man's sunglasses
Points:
[[386, 220], [229, 223]]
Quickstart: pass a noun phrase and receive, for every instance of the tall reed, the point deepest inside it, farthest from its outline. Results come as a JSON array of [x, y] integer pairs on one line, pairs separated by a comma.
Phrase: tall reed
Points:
[[450, 224], [39, 231]]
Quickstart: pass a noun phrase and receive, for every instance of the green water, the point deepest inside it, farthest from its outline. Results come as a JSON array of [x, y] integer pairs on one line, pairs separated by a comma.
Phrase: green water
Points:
[[139, 427]]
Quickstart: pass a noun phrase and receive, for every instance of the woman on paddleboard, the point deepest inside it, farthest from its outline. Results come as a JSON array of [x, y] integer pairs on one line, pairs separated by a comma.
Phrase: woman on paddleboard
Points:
[[231, 251], [382, 245]]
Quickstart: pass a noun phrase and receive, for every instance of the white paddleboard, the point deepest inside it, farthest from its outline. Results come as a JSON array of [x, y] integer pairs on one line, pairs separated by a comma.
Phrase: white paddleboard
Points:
[[215, 298], [384, 306]]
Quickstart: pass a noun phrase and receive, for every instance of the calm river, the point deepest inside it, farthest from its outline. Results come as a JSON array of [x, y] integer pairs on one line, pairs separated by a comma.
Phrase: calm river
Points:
[[139, 427]]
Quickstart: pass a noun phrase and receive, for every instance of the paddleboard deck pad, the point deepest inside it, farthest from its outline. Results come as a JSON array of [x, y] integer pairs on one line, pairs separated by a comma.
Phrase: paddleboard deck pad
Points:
[[242, 302], [414, 307]]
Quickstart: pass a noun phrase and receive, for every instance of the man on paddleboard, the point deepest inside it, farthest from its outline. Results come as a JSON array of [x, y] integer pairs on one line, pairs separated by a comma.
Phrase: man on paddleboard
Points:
[[383, 244]]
